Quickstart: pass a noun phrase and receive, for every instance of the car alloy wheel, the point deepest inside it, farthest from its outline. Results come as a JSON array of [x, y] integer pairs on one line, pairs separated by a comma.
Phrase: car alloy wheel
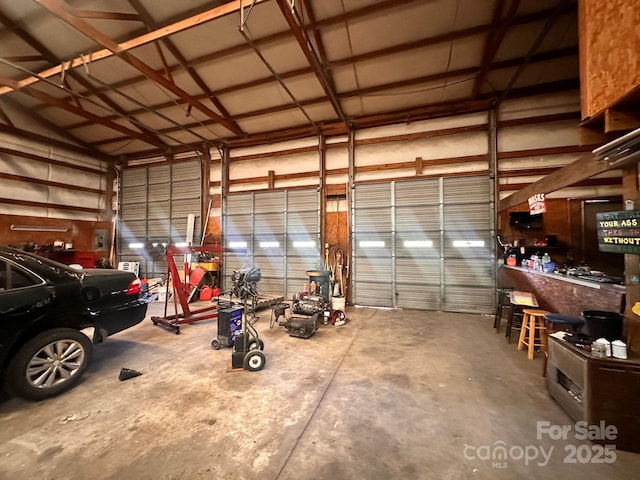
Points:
[[55, 363], [49, 364]]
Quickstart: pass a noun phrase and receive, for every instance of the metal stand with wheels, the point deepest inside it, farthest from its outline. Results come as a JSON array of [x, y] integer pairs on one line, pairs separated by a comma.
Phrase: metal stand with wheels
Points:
[[181, 292], [247, 348]]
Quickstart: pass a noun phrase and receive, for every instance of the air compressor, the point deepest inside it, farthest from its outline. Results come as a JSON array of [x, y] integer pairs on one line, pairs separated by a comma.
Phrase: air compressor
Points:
[[301, 327]]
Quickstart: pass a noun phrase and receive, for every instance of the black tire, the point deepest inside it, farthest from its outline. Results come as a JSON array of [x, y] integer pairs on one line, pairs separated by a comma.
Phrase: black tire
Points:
[[254, 361], [215, 344], [255, 345], [49, 364]]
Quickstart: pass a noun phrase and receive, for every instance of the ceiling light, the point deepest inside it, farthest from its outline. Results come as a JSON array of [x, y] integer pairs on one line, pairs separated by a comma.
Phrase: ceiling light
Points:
[[371, 243], [468, 243], [418, 243], [269, 244], [304, 244], [38, 228]]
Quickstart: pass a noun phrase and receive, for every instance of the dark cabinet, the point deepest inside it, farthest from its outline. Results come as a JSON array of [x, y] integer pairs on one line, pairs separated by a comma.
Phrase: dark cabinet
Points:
[[597, 389]]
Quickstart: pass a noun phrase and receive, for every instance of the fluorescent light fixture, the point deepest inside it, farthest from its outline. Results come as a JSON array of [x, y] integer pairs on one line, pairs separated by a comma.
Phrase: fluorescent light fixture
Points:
[[237, 244], [624, 149], [371, 243], [418, 243], [304, 244], [269, 244], [38, 228], [468, 243], [136, 245], [182, 244]]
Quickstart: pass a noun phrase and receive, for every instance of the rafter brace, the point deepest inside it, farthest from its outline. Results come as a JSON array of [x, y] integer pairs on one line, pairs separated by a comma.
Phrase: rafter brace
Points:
[[65, 13], [108, 15], [300, 33], [51, 100], [163, 32]]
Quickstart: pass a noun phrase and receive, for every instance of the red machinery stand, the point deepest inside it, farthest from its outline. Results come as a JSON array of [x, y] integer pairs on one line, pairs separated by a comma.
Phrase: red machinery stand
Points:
[[181, 292]]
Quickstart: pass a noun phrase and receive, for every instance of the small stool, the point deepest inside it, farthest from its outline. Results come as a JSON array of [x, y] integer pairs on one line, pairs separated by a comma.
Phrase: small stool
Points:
[[532, 320], [503, 301], [556, 322]]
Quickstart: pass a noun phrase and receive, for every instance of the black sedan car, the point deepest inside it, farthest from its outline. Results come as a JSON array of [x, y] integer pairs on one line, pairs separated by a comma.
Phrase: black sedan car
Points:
[[44, 305]]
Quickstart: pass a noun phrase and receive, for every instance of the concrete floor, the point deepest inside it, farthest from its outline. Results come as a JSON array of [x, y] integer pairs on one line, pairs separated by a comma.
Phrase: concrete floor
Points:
[[389, 395]]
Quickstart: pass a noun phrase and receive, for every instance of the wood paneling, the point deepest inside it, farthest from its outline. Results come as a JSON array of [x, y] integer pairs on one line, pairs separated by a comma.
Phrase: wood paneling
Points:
[[609, 46], [337, 236], [555, 221], [81, 233]]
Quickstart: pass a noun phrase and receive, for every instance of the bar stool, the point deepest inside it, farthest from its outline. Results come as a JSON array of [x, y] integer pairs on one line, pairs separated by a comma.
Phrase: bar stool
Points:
[[532, 321], [556, 322], [502, 302], [518, 300], [514, 320]]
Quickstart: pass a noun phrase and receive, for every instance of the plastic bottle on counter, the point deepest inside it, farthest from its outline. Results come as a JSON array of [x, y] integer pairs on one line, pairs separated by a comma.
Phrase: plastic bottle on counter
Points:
[[534, 263], [546, 258]]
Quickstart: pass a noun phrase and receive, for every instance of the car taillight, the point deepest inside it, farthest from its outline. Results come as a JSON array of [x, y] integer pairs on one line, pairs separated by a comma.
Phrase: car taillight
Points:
[[134, 287]]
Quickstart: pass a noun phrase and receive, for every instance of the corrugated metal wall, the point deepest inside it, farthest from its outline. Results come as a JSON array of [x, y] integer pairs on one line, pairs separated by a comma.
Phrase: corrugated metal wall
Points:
[[281, 233], [550, 123], [155, 203], [425, 244], [57, 200]]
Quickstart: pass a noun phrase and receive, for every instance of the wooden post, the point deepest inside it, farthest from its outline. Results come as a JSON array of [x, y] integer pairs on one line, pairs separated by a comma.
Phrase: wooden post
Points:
[[419, 166], [272, 179], [631, 263]]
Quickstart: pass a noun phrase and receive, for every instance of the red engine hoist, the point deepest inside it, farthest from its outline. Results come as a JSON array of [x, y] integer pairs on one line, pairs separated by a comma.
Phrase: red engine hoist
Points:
[[182, 291]]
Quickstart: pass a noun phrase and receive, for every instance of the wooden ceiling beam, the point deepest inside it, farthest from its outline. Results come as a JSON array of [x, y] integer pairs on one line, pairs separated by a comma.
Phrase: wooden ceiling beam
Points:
[[418, 113], [582, 169], [306, 70], [97, 15], [618, 119], [276, 37], [5, 117], [51, 58], [65, 13], [589, 182], [50, 99], [24, 58], [79, 146], [408, 83], [494, 40], [148, 20], [297, 28], [176, 27]]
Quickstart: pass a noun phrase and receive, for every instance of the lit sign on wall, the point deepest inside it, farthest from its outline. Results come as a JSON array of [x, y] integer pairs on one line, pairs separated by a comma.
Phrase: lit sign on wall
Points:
[[619, 232]]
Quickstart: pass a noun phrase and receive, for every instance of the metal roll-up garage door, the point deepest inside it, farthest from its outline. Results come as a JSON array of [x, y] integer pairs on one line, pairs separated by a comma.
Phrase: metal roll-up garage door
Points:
[[372, 245], [155, 203], [238, 234], [424, 244], [469, 259], [303, 237], [418, 266], [269, 240], [280, 231]]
